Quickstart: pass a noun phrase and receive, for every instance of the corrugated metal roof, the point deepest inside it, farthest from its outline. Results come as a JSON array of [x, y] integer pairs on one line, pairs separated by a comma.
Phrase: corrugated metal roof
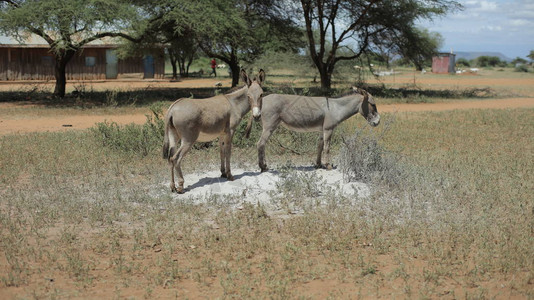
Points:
[[35, 41]]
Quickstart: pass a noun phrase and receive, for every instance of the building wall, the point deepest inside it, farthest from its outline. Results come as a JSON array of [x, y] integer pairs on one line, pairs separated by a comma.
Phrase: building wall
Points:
[[443, 64], [20, 63]]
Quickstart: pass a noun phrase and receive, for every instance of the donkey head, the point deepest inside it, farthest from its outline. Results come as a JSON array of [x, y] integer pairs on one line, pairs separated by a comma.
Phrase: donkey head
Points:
[[368, 108], [255, 92]]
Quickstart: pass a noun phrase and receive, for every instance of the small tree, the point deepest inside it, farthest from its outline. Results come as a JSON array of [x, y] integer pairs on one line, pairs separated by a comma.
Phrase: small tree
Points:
[[531, 55], [463, 62], [488, 61], [66, 25], [519, 60]]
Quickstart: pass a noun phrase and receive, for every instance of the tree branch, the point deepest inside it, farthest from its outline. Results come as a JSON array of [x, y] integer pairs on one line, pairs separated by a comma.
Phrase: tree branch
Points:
[[357, 22]]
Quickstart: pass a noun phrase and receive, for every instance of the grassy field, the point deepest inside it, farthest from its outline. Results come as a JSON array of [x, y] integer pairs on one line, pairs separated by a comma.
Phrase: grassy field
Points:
[[451, 215]]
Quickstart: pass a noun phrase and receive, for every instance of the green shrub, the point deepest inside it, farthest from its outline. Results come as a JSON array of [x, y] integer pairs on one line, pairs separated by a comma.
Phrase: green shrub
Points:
[[133, 138], [521, 68]]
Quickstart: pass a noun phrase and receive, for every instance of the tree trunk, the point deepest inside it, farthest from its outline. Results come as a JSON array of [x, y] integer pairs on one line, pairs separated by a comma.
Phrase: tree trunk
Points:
[[62, 59], [181, 63], [189, 62], [326, 78], [61, 80], [234, 67], [173, 60]]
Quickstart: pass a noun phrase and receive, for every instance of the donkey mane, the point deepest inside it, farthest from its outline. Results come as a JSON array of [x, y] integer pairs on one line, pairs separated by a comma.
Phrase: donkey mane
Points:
[[348, 93], [353, 91], [234, 89]]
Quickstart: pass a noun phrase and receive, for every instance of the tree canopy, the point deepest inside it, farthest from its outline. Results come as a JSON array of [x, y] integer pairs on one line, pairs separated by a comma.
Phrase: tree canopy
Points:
[[237, 31], [67, 25], [233, 31], [362, 26]]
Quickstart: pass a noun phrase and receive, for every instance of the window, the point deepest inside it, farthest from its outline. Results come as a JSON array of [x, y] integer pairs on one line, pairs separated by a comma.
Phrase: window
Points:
[[90, 61]]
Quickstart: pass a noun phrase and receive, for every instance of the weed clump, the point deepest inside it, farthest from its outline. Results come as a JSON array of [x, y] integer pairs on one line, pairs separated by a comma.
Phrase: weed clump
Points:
[[363, 158], [133, 138]]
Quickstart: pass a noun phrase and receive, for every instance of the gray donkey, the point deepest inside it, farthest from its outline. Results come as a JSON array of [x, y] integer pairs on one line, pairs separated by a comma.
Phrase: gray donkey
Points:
[[190, 120], [306, 114]]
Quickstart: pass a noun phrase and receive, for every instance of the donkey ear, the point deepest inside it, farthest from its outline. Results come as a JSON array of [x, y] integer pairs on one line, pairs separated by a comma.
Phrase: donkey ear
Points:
[[244, 77], [261, 76]]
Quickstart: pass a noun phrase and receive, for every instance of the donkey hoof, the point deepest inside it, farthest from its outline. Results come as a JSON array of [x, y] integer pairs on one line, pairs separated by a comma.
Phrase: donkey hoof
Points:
[[264, 168], [180, 190], [223, 175], [230, 177], [328, 167]]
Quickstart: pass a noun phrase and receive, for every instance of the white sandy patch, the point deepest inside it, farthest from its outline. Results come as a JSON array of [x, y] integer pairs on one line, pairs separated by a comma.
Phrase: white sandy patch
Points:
[[256, 187]]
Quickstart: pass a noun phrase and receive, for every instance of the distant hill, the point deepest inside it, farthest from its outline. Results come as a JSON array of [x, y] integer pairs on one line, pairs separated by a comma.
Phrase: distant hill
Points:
[[473, 55]]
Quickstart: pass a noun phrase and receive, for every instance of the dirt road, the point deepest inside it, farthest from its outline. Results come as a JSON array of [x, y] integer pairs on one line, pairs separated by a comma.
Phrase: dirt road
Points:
[[63, 123]]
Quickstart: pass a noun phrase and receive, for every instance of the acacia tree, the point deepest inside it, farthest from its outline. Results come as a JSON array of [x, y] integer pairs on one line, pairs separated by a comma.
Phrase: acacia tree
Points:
[[236, 31], [67, 25], [183, 49], [360, 26]]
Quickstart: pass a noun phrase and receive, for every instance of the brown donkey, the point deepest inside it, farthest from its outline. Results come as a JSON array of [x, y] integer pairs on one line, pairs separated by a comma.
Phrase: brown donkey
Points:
[[191, 120]]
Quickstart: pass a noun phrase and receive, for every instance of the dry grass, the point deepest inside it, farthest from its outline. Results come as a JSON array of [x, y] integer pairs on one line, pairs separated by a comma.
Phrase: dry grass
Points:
[[79, 220]]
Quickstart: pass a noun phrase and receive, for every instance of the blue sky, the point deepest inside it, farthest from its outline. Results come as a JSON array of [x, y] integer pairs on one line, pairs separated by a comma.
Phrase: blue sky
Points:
[[496, 26]]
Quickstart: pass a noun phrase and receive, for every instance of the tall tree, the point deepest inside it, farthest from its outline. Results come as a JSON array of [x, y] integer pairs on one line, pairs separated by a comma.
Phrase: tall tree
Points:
[[237, 31], [361, 26], [67, 25], [169, 26]]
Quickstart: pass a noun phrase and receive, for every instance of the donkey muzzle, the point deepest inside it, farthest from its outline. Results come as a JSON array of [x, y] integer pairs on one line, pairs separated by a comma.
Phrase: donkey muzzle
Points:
[[256, 112], [375, 120]]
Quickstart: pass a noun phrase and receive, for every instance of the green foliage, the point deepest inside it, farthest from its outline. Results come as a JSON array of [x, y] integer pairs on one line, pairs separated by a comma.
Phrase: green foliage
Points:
[[490, 61], [521, 68], [519, 60], [463, 62], [133, 139], [67, 24]]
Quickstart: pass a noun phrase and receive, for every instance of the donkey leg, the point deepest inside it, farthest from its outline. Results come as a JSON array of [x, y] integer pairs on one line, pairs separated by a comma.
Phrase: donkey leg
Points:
[[172, 162], [320, 146], [173, 185], [223, 155], [326, 149], [186, 146], [228, 155], [266, 133]]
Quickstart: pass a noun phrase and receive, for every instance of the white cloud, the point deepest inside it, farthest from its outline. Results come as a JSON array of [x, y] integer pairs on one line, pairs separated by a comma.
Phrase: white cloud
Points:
[[521, 23], [499, 25], [491, 28], [482, 6]]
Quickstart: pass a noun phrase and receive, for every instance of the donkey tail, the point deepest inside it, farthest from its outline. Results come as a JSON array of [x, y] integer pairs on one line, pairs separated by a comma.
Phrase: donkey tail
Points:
[[171, 136], [169, 142], [166, 142]]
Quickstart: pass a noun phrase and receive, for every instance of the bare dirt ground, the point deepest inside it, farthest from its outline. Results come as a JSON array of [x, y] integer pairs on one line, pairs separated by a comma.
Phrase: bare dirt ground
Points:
[[22, 123]]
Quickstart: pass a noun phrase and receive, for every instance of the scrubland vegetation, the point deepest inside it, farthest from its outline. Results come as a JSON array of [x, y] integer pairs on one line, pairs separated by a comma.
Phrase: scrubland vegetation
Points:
[[88, 214]]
